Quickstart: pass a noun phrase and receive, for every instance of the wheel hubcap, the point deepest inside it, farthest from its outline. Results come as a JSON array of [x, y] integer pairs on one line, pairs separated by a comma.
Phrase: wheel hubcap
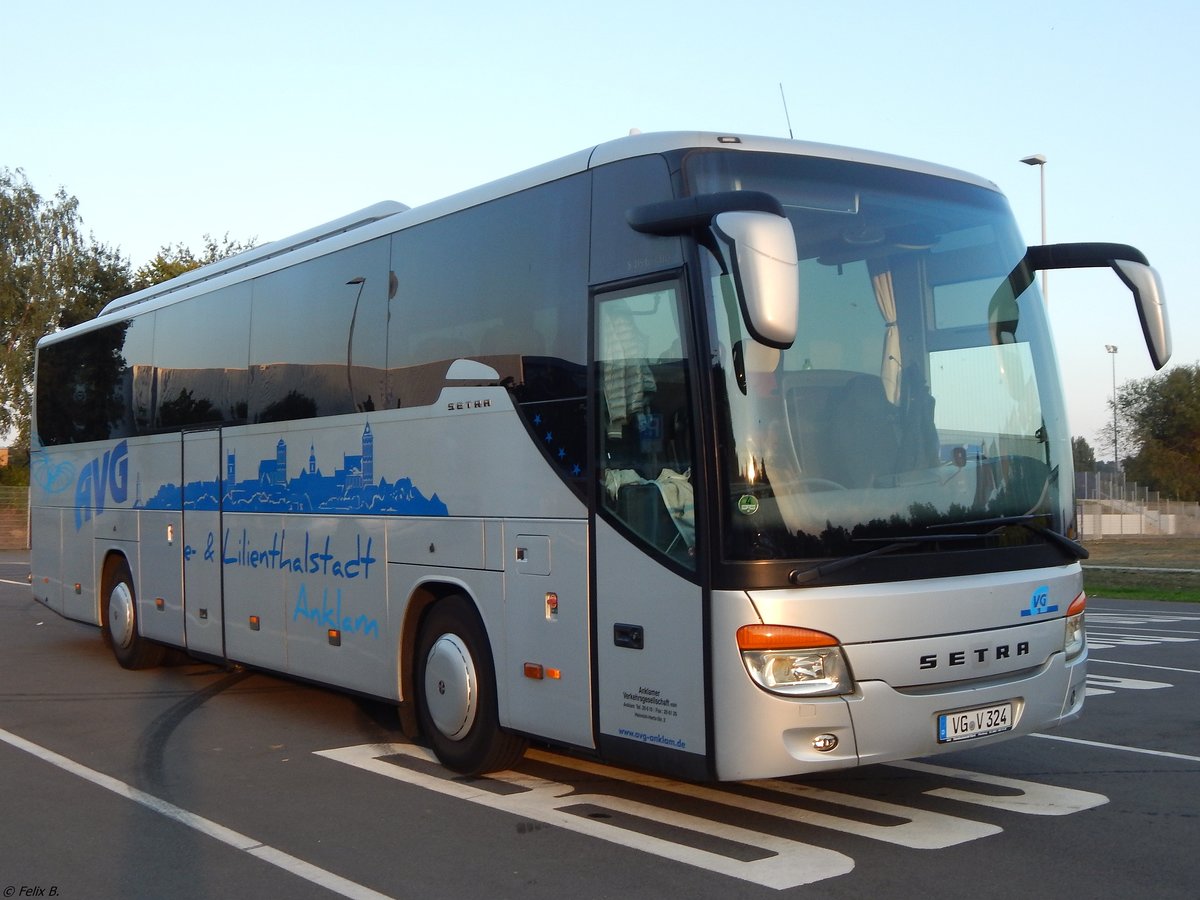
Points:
[[451, 691], [120, 614]]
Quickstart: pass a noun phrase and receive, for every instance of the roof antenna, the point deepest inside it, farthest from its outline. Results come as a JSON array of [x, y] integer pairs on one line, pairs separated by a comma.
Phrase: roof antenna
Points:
[[785, 112]]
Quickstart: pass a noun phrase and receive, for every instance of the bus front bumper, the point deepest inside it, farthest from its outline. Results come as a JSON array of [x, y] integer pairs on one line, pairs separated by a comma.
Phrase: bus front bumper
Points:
[[765, 736]]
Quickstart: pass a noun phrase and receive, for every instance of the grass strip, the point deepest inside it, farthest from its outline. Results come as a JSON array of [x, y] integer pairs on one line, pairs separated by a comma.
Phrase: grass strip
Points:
[[1178, 587]]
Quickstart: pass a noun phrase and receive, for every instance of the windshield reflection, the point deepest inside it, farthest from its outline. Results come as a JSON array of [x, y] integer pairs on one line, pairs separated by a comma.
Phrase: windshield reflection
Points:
[[919, 392]]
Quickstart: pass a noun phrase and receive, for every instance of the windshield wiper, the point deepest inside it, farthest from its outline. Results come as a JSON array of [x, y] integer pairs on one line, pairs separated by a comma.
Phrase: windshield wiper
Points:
[[1028, 521], [1075, 550], [803, 576]]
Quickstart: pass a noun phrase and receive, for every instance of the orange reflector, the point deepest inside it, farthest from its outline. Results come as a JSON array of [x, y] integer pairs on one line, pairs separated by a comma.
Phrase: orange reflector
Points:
[[1077, 605], [781, 637], [160, 603], [254, 624], [78, 588], [553, 673], [335, 637], [533, 670]]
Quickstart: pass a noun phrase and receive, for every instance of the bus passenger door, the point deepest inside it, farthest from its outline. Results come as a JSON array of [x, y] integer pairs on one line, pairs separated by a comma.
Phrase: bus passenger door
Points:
[[201, 491], [650, 640]]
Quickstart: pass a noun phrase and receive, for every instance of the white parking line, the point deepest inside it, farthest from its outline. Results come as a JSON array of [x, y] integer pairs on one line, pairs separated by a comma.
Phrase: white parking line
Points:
[[782, 861], [915, 828], [1032, 798], [257, 849], [1164, 753], [1140, 619], [786, 863], [1117, 662], [1155, 626], [1102, 640]]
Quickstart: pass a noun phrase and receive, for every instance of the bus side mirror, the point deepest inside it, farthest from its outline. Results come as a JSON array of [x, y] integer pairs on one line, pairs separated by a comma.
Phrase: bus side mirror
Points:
[[1133, 268], [1147, 290], [766, 273]]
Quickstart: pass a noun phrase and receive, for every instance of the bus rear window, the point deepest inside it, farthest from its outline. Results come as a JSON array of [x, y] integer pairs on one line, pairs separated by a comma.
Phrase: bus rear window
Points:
[[86, 389]]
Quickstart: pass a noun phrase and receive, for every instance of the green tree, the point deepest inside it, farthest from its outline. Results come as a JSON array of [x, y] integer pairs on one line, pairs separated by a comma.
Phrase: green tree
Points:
[[1083, 455], [1160, 419], [16, 473], [51, 277], [172, 260]]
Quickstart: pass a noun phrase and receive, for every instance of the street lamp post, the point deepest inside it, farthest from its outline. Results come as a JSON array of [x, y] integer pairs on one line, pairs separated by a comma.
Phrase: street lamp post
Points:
[[1112, 351], [1039, 160]]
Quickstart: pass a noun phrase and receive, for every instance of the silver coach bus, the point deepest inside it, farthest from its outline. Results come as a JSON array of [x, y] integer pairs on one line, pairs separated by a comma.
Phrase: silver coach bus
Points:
[[723, 456]]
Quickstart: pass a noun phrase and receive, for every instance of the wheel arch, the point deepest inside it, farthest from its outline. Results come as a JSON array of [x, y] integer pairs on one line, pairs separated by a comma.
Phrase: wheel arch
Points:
[[421, 600], [133, 650], [108, 564]]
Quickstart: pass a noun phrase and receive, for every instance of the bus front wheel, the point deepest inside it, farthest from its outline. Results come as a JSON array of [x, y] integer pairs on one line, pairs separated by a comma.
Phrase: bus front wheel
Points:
[[456, 692], [120, 621]]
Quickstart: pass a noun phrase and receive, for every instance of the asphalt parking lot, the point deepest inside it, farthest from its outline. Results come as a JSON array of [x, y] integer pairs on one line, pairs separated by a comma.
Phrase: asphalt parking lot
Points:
[[194, 781]]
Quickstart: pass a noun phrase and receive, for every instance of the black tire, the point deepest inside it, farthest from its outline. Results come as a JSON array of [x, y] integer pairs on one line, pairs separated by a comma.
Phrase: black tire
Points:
[[455, 682], [118, 608]]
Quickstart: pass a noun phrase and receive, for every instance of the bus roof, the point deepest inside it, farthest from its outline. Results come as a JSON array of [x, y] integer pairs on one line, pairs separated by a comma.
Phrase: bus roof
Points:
[[256, 254], [388, 216]]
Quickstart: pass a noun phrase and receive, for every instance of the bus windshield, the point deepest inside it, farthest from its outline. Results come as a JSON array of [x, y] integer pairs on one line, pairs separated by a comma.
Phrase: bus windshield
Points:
[[920, 398]]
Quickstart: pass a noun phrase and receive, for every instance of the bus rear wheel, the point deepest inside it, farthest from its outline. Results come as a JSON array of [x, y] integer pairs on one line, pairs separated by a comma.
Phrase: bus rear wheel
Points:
[[120, 620], [456, 692]]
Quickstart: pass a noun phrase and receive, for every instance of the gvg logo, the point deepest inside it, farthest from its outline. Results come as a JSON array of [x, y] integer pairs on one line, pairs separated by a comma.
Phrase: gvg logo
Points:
[[1039, 603], [104, 478]]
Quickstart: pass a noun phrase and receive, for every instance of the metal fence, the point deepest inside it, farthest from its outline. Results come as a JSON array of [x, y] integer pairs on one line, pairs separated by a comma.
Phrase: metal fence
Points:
[[1111, 506], [14, 518]]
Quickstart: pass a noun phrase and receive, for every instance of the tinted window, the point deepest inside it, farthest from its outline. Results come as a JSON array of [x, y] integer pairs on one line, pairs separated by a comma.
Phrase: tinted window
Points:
[[200, 349], [317, 336], [617, 250], [96, 385], [504, 283]]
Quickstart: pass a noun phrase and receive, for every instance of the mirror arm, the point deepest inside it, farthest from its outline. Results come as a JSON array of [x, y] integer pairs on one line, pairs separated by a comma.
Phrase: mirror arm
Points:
[[1131, 267], [750, 237], [1081, 256], [675, 217]]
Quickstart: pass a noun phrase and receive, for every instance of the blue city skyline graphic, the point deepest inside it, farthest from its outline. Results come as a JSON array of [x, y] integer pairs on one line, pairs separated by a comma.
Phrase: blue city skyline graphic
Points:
[[352, 488]]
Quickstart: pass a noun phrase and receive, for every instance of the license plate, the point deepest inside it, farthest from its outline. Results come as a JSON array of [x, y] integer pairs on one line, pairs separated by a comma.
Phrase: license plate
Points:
[[965, 724]]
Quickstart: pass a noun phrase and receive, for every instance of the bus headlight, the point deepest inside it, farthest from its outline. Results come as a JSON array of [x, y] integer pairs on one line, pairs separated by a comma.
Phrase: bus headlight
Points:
[[1076, 637], [795, 662]]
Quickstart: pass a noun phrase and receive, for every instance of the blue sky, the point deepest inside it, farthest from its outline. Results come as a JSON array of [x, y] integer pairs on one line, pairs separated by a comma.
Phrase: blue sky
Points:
[[260, 119]]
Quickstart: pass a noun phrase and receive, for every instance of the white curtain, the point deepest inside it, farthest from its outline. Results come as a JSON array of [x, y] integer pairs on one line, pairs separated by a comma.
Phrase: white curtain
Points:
[[889, 370]]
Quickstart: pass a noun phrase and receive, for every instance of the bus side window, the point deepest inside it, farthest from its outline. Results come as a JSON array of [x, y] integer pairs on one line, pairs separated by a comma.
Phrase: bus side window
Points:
[[645, 419]]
